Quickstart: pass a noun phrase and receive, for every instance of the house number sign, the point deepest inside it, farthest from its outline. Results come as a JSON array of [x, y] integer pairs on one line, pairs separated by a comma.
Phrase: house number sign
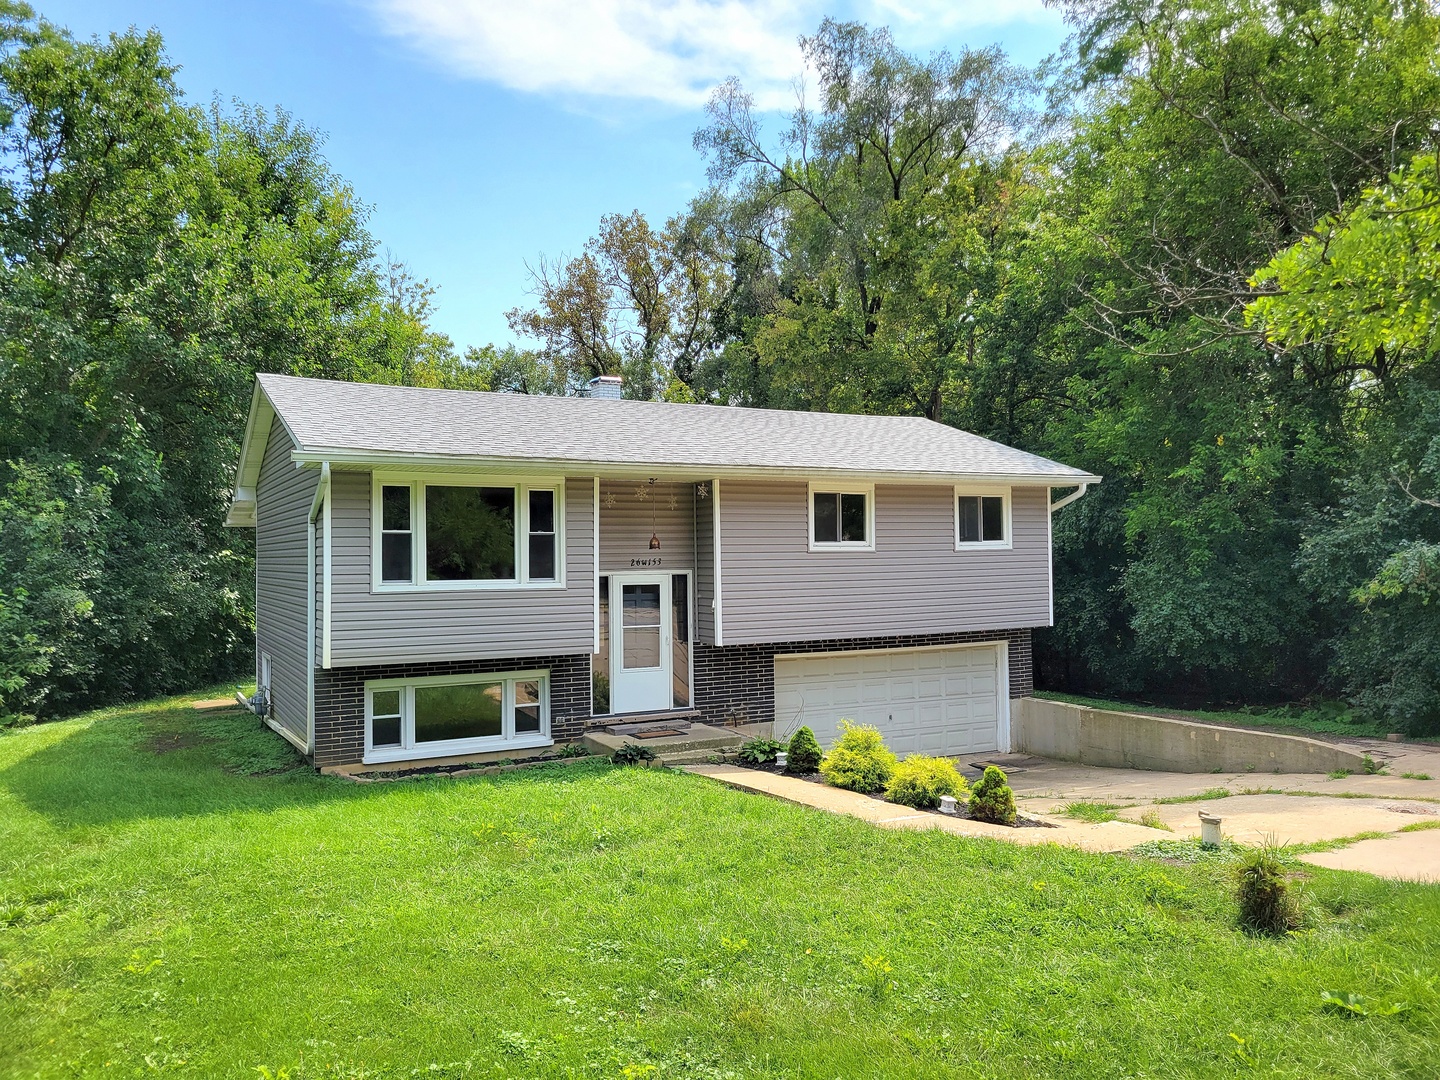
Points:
[[652, 561]]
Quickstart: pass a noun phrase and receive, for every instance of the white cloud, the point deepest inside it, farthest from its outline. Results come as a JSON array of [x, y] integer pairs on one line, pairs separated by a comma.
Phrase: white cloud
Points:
[[667, 51]]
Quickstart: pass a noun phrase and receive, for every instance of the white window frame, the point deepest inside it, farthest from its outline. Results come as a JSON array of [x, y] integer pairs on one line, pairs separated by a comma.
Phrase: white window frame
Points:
[[417, 482], [1006, 519], [409, 749], [830, 487]]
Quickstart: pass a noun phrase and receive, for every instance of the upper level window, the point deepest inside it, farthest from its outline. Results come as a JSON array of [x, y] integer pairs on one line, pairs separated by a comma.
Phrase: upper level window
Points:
[[447, 534], [982, 519], [842, 518]]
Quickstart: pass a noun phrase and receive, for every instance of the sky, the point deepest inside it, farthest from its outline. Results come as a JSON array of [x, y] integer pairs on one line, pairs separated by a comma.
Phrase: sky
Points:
[[485, 133]]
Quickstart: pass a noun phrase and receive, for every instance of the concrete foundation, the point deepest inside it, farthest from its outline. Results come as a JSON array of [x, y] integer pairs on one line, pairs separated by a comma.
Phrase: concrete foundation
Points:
[[1064, 732]]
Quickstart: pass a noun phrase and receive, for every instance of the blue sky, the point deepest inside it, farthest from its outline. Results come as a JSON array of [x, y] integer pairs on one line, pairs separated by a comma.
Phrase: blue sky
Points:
[[486, 132]]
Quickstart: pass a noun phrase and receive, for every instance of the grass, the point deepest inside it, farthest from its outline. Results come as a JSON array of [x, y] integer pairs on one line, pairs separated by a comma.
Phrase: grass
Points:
[[1324, 718], [1417, 776], [176, 896], [1093, 812]]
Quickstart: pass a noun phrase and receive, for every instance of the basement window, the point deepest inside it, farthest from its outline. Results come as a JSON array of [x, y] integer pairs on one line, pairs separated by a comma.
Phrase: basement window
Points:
[[456, 714]]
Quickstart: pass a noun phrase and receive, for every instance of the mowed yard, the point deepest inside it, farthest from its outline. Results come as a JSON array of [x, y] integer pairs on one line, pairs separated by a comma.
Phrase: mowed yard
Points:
[[170, 903]]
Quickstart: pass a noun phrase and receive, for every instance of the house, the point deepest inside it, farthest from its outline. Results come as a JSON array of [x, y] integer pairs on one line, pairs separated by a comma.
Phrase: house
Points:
[[444, 574]]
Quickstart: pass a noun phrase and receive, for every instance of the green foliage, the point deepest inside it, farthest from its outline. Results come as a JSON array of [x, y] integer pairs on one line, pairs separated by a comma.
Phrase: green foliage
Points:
[[1269, 904], [760, 751], [920, 781], [991, 799], [1347, 1003], [804, 754], [1091, 811], [859, 760], [632, 754]]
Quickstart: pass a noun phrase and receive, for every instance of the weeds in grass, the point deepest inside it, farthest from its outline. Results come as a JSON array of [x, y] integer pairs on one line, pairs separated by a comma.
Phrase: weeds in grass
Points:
[[1421, 826], [1092, 812], [1268, 902], [1245, 1051], [877, 975], [1204, 796], [1350, 1004], [1187, 850], [1151, 819], [246, 746], [1417, 776], [1338, 774]]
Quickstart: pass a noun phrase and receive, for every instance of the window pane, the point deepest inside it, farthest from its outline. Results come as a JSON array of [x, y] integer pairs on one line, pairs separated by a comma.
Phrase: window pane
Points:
[[395, 557], [385, 731], [385, 703], [993, 513], [527, 708], [600, 662], [642, 605], [642, 647], [852, 518], [542, 511], [680, 639], [395, 508], [542, 557], [469, 534], [827, 517], [680, 606], [969, 510], [462, 711]]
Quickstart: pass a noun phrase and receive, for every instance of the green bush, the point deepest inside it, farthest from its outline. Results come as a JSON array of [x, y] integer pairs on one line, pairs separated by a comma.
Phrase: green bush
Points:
[[1267, 904], [632, 754], [804, 753], [760, 751], [859, 761], [920, 781], [991, 799]]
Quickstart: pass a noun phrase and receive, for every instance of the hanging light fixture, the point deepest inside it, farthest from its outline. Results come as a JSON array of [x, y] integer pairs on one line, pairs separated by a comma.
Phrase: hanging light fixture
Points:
[[654, 535]]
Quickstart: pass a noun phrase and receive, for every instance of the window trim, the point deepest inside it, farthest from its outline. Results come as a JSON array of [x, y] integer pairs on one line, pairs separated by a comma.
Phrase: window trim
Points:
[[410, 750], [417, 482], [1006, 518], [828, 487]]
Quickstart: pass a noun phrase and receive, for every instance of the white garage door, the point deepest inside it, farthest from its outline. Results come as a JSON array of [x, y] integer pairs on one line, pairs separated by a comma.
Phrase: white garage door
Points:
[[925, 701]]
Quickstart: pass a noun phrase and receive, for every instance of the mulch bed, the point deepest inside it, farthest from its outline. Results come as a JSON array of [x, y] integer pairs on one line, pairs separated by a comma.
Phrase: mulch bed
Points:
[[964, 809]]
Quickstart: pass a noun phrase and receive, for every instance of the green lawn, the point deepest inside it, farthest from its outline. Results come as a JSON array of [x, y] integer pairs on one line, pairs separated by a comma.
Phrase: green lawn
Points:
[[1325, 718], [163, 908]]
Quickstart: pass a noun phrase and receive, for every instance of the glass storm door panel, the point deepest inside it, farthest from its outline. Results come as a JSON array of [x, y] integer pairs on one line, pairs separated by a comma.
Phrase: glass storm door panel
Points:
[[640, 636]]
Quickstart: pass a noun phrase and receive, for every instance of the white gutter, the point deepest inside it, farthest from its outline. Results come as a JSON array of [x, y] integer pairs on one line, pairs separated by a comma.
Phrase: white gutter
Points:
[[627, 470], [1068, 499]]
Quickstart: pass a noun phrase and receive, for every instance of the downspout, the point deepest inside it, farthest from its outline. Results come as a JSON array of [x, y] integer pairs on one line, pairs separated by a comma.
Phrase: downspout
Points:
[[322, 499], [1068, 499]]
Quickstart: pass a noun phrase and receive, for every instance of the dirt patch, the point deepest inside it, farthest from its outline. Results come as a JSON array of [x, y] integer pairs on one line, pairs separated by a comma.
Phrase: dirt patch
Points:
[[167, 742]]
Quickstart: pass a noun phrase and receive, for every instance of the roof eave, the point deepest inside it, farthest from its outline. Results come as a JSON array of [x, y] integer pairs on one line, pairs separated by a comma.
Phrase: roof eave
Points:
[[340, 456]]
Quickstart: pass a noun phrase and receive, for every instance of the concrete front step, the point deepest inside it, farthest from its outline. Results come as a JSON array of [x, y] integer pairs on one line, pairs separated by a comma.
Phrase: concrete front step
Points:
[[698, 757], [701, 737]]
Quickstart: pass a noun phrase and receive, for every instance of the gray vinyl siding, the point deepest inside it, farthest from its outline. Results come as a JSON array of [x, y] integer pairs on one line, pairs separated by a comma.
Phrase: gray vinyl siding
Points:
[[627, 523], [461, 624], [705, 569], [773, 588], [319, 556], [283, 496]]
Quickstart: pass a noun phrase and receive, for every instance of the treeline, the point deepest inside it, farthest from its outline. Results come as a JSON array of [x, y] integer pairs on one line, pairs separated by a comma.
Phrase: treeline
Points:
[[1196, 255]]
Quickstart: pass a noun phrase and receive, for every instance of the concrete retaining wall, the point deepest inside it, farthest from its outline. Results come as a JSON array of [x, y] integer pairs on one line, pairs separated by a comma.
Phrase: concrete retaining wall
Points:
[[1064, 732]]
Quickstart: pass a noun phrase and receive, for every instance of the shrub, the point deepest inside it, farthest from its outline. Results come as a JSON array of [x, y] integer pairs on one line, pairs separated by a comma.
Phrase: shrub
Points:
[[860, 760], [760, 751], [920, 781], [632, 754], [804, 753], [992, 800], [1267, 904]]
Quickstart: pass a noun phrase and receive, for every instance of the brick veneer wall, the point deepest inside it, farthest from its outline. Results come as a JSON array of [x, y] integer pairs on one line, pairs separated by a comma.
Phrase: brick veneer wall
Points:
[[340, 698], [735, 684]]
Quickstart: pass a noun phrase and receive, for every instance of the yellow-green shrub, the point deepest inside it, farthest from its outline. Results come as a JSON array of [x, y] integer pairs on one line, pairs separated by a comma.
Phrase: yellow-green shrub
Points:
[[860, 760], [920, 780]]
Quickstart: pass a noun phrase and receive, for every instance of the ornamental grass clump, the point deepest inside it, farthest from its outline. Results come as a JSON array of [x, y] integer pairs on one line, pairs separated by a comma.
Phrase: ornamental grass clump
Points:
[[920, 780], [992, 799], [1267, 903], [859, 761], [803, 755]]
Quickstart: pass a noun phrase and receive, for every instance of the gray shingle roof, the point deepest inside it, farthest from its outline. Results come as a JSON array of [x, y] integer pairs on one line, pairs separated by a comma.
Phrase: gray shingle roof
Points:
[[342, 417]]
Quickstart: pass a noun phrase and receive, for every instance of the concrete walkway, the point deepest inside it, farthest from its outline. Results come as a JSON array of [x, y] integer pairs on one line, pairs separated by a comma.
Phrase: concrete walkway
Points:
[[1293, 809], [1108, 836]]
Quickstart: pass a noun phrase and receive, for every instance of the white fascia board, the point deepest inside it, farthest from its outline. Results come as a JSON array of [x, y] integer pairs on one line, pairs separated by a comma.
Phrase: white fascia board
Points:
[[631, 470]]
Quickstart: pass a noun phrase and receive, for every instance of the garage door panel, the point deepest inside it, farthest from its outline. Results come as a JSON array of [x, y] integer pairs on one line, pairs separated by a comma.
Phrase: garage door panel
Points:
[[933, 701]]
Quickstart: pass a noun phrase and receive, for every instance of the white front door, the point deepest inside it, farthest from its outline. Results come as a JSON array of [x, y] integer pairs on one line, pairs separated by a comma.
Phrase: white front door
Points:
[[640, 636]]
